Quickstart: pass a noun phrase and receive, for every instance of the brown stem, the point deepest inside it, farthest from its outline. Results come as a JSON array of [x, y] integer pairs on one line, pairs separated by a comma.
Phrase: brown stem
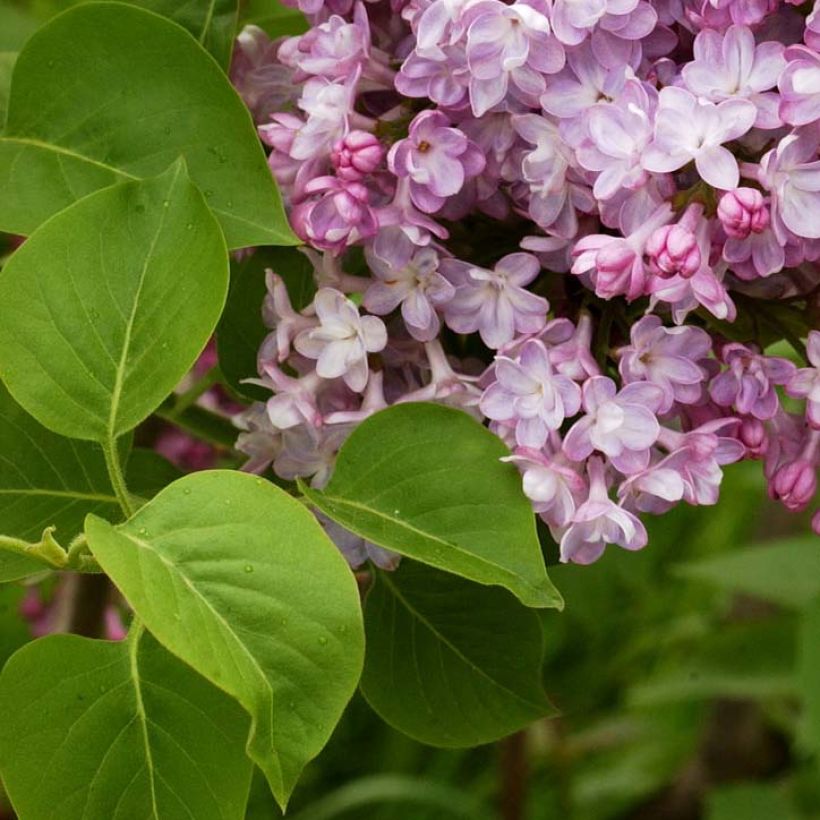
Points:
[[514, 776], [85, 598]]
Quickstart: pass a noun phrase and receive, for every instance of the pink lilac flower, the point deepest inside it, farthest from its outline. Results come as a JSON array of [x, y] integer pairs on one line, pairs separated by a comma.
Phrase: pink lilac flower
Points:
[[743, 212], [799, 86], [528, 394], [805, 382], [495, 302], [673, 250], [356, 155], [748, 383], [407, 275], [436, 158], [599, 521], [620, 424], [574, 20], [688, 128], [669, 357], [343, 339], [730, 66]]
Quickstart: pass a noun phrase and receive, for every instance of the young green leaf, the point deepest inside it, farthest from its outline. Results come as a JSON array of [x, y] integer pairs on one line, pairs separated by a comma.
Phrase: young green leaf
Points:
[[239, 580], [427, 481], [109, 303], [108, 92], [94, 730], [450, 662], [241, 330]]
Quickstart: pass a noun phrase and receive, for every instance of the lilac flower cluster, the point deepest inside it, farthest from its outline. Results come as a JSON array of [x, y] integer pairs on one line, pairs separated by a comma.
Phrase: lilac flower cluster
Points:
[[582, 221]]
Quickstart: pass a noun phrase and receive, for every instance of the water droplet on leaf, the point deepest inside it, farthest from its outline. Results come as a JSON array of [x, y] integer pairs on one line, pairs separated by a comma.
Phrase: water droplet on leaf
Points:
[[248, 567]]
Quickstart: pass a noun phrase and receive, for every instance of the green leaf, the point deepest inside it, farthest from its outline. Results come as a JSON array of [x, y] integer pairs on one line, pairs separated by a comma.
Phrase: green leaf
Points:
[[7, 60], [426, 481], [108, 92], [786, 572], [274, 17], [239, 580], [809, 673], [109, 303], [750, 801], [94, 730], [148, 472], [15, 27], [241, 330], [449, 662]]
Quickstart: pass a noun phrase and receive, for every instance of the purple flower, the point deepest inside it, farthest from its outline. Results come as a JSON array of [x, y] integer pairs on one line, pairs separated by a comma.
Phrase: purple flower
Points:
[[673, 249], [337, 215], [791, 173], [328, 106], [748, 383], [805, 383], [668, 357], [509, 50], [598, 522], [799, 87], [730, 66], [436, 159], [343, 339], [495, 302], [310, 451], [356, 155], [530, 395], [688, 128], [574, 20], [407, 275], [621, 425], [794, 484]]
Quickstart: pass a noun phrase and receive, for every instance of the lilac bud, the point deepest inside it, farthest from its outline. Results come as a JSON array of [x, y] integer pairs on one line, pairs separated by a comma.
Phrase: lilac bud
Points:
[[752, 433], [794, 484], [673, 249], [357, 154], [743, 212]]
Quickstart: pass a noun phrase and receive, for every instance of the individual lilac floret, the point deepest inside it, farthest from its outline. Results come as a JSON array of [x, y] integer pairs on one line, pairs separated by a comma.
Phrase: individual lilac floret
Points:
[[688, 128], [495, 302], [436, 158], [799, 87], [599, 521], [509, 49], [667, 357], [407, 275], [805, 383], [730, 66], [748, 383], [673, 250], [574, 20], [343, 339], [528, 394], [621, 425], [356, 155], [791, 173], [743, 212]]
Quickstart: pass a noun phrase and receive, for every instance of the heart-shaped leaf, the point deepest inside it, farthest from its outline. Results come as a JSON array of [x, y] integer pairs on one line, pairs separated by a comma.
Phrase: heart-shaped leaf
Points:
[[94, 730], [108, 304], [238, 579], [108, 92], [427, 481], [449, 662]]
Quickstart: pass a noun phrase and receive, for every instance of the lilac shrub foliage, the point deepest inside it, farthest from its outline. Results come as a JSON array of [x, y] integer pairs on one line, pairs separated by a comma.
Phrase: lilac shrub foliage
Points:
[[583, 221]]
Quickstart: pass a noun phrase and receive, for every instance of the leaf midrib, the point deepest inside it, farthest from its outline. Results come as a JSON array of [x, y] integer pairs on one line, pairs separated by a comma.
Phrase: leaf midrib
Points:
[[108, 499]]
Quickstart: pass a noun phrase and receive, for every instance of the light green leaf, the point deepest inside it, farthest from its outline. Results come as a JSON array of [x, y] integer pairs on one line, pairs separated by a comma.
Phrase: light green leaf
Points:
[[94, 730], [809, 673], [109, 303], [450, 662], [241, 330], [427, 481], [108, 92], [7, 60], [239, 580], [786, 572]]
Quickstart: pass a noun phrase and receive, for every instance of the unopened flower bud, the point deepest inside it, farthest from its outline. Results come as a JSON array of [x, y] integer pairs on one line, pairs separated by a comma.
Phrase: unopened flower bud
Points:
[[357, 154], [752, 433], [671, 250], [743, 212], [794, 484]]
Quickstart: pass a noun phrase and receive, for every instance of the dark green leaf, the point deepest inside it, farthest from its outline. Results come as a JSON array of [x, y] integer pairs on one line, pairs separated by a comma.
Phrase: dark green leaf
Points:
[[239, 580], [427, 481], [809, 673], [108, 304], [108, 92], [450, 662], [148, 472], [94, 730], [274, 17]]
